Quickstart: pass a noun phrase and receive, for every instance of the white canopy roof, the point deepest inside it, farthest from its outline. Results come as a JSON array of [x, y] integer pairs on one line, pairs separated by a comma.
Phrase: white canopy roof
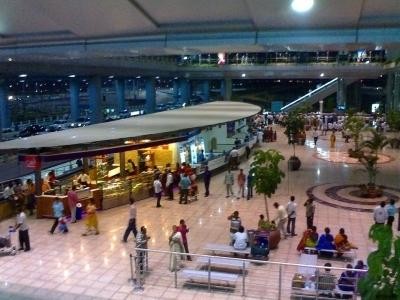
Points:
[[198, 116]]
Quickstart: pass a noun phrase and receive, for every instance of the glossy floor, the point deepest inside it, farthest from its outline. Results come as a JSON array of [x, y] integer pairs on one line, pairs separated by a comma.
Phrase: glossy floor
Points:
[[71, 266]]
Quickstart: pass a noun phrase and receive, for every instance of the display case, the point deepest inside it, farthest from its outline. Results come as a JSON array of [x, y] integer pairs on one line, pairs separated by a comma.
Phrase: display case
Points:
[[141, 185], [115, 193]]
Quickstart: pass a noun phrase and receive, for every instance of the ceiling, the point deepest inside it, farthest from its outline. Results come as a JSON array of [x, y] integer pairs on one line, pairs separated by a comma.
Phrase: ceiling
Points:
[[84, 32]]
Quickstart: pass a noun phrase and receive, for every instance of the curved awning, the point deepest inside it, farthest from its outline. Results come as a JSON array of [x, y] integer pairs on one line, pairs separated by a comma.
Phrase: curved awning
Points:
[[171, 121]]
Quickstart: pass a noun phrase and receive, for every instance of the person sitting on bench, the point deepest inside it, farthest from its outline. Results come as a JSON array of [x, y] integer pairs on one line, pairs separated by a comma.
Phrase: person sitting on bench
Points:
[[325, 242], [342, 243], [240, 239]]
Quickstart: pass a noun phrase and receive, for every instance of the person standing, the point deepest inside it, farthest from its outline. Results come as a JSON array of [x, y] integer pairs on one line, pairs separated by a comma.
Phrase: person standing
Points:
[[170, 185], [333, 139], [141, 243], [391, 210], [241, 179], [184, 185], [23, 231], [183, 229], [132, 221], [229, 180], [315, 136], [236, 222], [157, 190], [248, 151], [58, 212], [281, 219], [291, 211], [381, 214], [175, 245], [72, 201], [91, 219], [250, 185], [207, 180], [30, 195], [310, 211]]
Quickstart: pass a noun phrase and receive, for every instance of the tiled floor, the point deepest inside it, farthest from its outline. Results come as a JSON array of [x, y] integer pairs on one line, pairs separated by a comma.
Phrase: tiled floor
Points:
[[74, 267]]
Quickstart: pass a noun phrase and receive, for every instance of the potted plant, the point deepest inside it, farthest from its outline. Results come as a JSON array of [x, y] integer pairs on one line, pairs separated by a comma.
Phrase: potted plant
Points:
[[393, 119], [294, 130], [382, 282], [369, 159], [354, 124], [267, 174]]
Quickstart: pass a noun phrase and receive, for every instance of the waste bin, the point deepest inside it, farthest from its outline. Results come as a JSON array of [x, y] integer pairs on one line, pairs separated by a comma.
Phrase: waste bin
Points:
[[78, 213]]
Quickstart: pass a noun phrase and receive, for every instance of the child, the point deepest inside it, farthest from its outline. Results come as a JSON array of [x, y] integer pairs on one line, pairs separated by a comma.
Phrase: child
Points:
[[62, 225]]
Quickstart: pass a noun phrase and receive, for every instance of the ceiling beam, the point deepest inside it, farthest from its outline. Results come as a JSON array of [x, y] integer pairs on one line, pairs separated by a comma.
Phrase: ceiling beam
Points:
[[145, 13]]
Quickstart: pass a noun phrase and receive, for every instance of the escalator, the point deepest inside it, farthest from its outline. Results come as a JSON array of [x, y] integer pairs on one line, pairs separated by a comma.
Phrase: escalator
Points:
[[314, 96]]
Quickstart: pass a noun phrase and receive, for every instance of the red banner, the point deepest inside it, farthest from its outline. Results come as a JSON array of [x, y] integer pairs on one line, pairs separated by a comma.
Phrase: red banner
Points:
[[32, 162]]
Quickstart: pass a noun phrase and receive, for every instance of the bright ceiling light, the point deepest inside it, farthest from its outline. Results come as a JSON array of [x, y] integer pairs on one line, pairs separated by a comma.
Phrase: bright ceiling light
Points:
[[302, 6], [10, 59], [22, 75], [322, 75], [72, 76], [243, 75]]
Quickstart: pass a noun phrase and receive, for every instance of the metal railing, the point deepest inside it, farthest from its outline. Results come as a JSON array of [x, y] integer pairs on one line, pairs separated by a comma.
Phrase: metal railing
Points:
[[252, 278]]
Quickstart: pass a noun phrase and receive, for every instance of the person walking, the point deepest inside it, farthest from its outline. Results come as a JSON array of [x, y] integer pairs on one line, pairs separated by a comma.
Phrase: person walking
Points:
[[310, 211], [381, 214], [170, 185], [281, 219], [333, 139], [391, 210], [91, 220], [72, 201], [291, 211], [207, 180], [132, 221], [183, 229], [184, 185], [241, 180], [157, 190], [58, 213], [315, 136], [229, 180], [23, 231], [250, 185]]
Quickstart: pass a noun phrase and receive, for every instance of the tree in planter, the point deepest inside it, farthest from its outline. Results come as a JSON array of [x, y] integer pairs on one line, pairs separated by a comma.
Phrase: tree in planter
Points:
[[294, 127], [382, 281], [354, 124], [267, 174]]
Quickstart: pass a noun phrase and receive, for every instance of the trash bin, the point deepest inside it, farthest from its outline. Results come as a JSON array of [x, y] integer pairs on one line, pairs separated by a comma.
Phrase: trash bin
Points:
[[78, 213]]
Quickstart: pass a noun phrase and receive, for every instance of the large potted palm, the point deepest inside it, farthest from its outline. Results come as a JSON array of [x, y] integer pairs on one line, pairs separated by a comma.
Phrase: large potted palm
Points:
[[294, 130], [369, 159], [354, 124], [267, 176], [382, 282]]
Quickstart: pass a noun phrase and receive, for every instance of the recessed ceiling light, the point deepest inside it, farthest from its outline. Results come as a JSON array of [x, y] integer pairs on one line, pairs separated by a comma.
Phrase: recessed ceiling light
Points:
[[138, 77], [22, 75], [72, 76], [10, 59], [322, 75], [302, 6], [111, 76], [243, 75]]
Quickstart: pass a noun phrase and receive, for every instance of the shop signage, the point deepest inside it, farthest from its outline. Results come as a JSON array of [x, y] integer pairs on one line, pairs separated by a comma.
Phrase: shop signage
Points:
[[32, 162]]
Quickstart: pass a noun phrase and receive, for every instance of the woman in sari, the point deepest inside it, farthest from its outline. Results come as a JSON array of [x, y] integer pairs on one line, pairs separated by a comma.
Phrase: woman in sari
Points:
[[342, 243], [91, 219], [309, 239], [176, 245]]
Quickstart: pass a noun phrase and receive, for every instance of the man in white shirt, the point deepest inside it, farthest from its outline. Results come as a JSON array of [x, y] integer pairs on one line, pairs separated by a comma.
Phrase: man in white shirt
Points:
[[170, 185], [240, 239], [23, 233], [131, 222], [157, 190], [380, 214], [291, 212], [281, 219]]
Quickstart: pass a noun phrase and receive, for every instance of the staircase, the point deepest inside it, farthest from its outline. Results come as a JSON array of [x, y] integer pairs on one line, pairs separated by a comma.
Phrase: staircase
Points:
[[314, 96]]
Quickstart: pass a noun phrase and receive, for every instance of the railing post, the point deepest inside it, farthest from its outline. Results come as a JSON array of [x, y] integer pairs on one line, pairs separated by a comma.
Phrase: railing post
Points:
[[175, 271], [131, 265], [209, 274], [280, 283], [244, 279]]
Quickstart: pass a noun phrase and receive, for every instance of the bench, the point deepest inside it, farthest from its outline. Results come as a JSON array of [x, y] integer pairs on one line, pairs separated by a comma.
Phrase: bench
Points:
[[351, 255], [220, 261], [198, 275], [225, 249]]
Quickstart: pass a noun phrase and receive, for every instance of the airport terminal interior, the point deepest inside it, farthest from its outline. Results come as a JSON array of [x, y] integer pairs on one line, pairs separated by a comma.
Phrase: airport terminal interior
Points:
[[205, 115]]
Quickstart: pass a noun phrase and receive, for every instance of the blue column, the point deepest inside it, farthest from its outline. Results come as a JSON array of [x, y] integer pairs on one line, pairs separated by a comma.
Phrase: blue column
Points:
[[184, 86], [74, 99], [206, 90], [389, 92], [396, 91], [222, 89], [120, 91], [176, 90], [5, 114], [341, 94], [227, 91], [94, 91], [150, 95]]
